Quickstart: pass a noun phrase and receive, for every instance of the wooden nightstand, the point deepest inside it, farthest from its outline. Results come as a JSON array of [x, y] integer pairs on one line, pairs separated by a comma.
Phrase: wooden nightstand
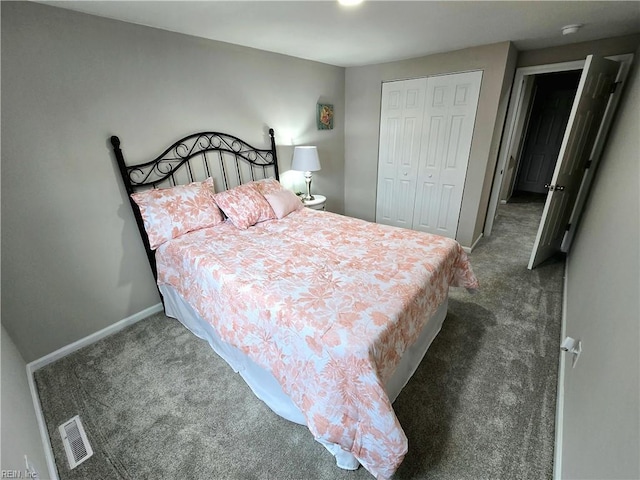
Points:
[[317, 203]]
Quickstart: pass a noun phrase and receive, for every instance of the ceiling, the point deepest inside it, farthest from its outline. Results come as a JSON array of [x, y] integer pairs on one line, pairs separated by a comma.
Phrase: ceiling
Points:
[[375, 31]]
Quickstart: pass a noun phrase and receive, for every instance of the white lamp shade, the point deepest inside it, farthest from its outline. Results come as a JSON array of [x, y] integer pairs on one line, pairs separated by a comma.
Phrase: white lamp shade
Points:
[[305, 159]]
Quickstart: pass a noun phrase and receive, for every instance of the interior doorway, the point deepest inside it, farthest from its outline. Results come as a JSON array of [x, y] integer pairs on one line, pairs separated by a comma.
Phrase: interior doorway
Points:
[[553, 95], [511, 170]]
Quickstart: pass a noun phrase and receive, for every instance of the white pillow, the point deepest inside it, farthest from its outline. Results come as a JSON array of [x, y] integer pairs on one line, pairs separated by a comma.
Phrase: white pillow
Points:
[[283, 202]]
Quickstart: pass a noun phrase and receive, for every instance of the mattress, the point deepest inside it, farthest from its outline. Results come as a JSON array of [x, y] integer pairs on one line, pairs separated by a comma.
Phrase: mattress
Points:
[[328, 306]]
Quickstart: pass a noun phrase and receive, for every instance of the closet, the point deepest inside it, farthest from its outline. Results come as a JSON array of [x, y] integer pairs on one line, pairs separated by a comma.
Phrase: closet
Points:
[[426, 128]]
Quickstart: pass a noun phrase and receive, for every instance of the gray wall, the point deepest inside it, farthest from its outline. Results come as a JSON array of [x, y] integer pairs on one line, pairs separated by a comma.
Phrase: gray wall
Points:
[[565, 53], [20, 434], [601, 419], [72, 259], [363, 92], [578, 51]]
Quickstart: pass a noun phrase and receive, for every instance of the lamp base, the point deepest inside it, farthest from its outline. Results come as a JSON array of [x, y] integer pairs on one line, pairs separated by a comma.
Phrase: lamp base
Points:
[[307, 179]]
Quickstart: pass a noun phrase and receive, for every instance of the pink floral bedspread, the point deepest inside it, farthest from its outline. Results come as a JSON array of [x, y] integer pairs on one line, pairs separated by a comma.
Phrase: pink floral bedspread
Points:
[[326, 303]]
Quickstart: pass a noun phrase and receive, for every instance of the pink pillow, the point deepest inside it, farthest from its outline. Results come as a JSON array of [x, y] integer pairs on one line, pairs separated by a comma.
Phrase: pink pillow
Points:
[[244, 205], [283, 202], [170, 212], [268, 185]]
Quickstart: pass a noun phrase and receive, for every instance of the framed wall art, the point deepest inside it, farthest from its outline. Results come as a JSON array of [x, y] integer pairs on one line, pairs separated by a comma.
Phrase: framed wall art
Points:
[[325, 116]]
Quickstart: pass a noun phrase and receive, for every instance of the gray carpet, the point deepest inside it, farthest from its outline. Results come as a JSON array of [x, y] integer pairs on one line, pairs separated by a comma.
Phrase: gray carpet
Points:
[[158, 403]]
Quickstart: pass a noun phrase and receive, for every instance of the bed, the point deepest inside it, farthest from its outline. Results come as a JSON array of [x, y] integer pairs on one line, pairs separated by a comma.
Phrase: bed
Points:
[[326, 317]]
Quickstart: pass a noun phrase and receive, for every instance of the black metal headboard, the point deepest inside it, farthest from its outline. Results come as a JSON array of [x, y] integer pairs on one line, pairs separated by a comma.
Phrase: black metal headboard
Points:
[[229, 160]]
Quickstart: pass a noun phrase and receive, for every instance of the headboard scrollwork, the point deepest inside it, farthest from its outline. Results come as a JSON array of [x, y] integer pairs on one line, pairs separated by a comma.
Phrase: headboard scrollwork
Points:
[[229, 160]]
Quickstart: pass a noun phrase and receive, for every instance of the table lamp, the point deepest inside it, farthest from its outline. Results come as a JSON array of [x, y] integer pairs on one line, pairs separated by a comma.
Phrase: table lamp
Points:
[[305, 159]]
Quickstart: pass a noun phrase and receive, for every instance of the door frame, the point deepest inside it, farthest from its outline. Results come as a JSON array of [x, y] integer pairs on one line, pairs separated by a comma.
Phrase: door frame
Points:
[[585, 125], [601, 137], [519, 104], [513, 175]]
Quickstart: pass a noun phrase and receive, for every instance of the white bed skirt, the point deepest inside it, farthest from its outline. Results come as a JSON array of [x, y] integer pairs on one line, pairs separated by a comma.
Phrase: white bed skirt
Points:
[[264, 384]]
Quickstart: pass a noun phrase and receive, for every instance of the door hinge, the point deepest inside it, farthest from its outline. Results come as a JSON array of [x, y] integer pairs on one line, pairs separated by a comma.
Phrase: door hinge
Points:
[[614, 87], [588, 164], [568, 227]]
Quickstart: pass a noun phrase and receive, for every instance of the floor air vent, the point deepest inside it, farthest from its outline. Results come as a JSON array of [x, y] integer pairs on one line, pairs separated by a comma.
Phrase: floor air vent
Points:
[[75, 441]]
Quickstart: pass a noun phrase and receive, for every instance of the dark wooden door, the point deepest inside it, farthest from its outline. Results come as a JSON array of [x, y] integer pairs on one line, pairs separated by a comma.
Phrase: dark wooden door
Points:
[[549, 115]]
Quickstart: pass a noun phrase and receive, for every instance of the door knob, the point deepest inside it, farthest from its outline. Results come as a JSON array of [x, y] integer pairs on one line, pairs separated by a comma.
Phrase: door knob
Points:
[[405, 174], [559, 188]]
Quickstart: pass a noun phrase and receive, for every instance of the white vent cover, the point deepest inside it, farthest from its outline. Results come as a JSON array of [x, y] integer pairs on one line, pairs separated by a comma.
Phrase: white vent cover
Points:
[[75, 442]]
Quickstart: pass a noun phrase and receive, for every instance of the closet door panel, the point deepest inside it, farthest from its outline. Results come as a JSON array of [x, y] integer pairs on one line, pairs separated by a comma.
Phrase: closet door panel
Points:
[[447, 193], [424, 200], [451, 104], [401, 120]]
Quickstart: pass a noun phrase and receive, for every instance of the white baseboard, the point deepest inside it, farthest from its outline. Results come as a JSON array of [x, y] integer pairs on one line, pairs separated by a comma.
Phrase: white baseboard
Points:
[[557, 453], [93, 338], [470, 249], [63, 352], [42, 427]]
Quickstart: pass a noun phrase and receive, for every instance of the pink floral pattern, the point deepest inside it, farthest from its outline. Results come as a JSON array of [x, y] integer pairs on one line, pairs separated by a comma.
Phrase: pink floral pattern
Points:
[[244, 205], [170, 212], [268, 185], [328, 304]]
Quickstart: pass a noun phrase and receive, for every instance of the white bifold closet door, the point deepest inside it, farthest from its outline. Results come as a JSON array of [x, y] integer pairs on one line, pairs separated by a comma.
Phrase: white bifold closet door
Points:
[[402, 114], [426, 128]]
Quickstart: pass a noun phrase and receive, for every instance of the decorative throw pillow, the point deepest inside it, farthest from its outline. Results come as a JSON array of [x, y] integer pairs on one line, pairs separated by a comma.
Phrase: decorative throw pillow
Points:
[[170, 212], [244, 205], [283, 202], [268, 185]]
